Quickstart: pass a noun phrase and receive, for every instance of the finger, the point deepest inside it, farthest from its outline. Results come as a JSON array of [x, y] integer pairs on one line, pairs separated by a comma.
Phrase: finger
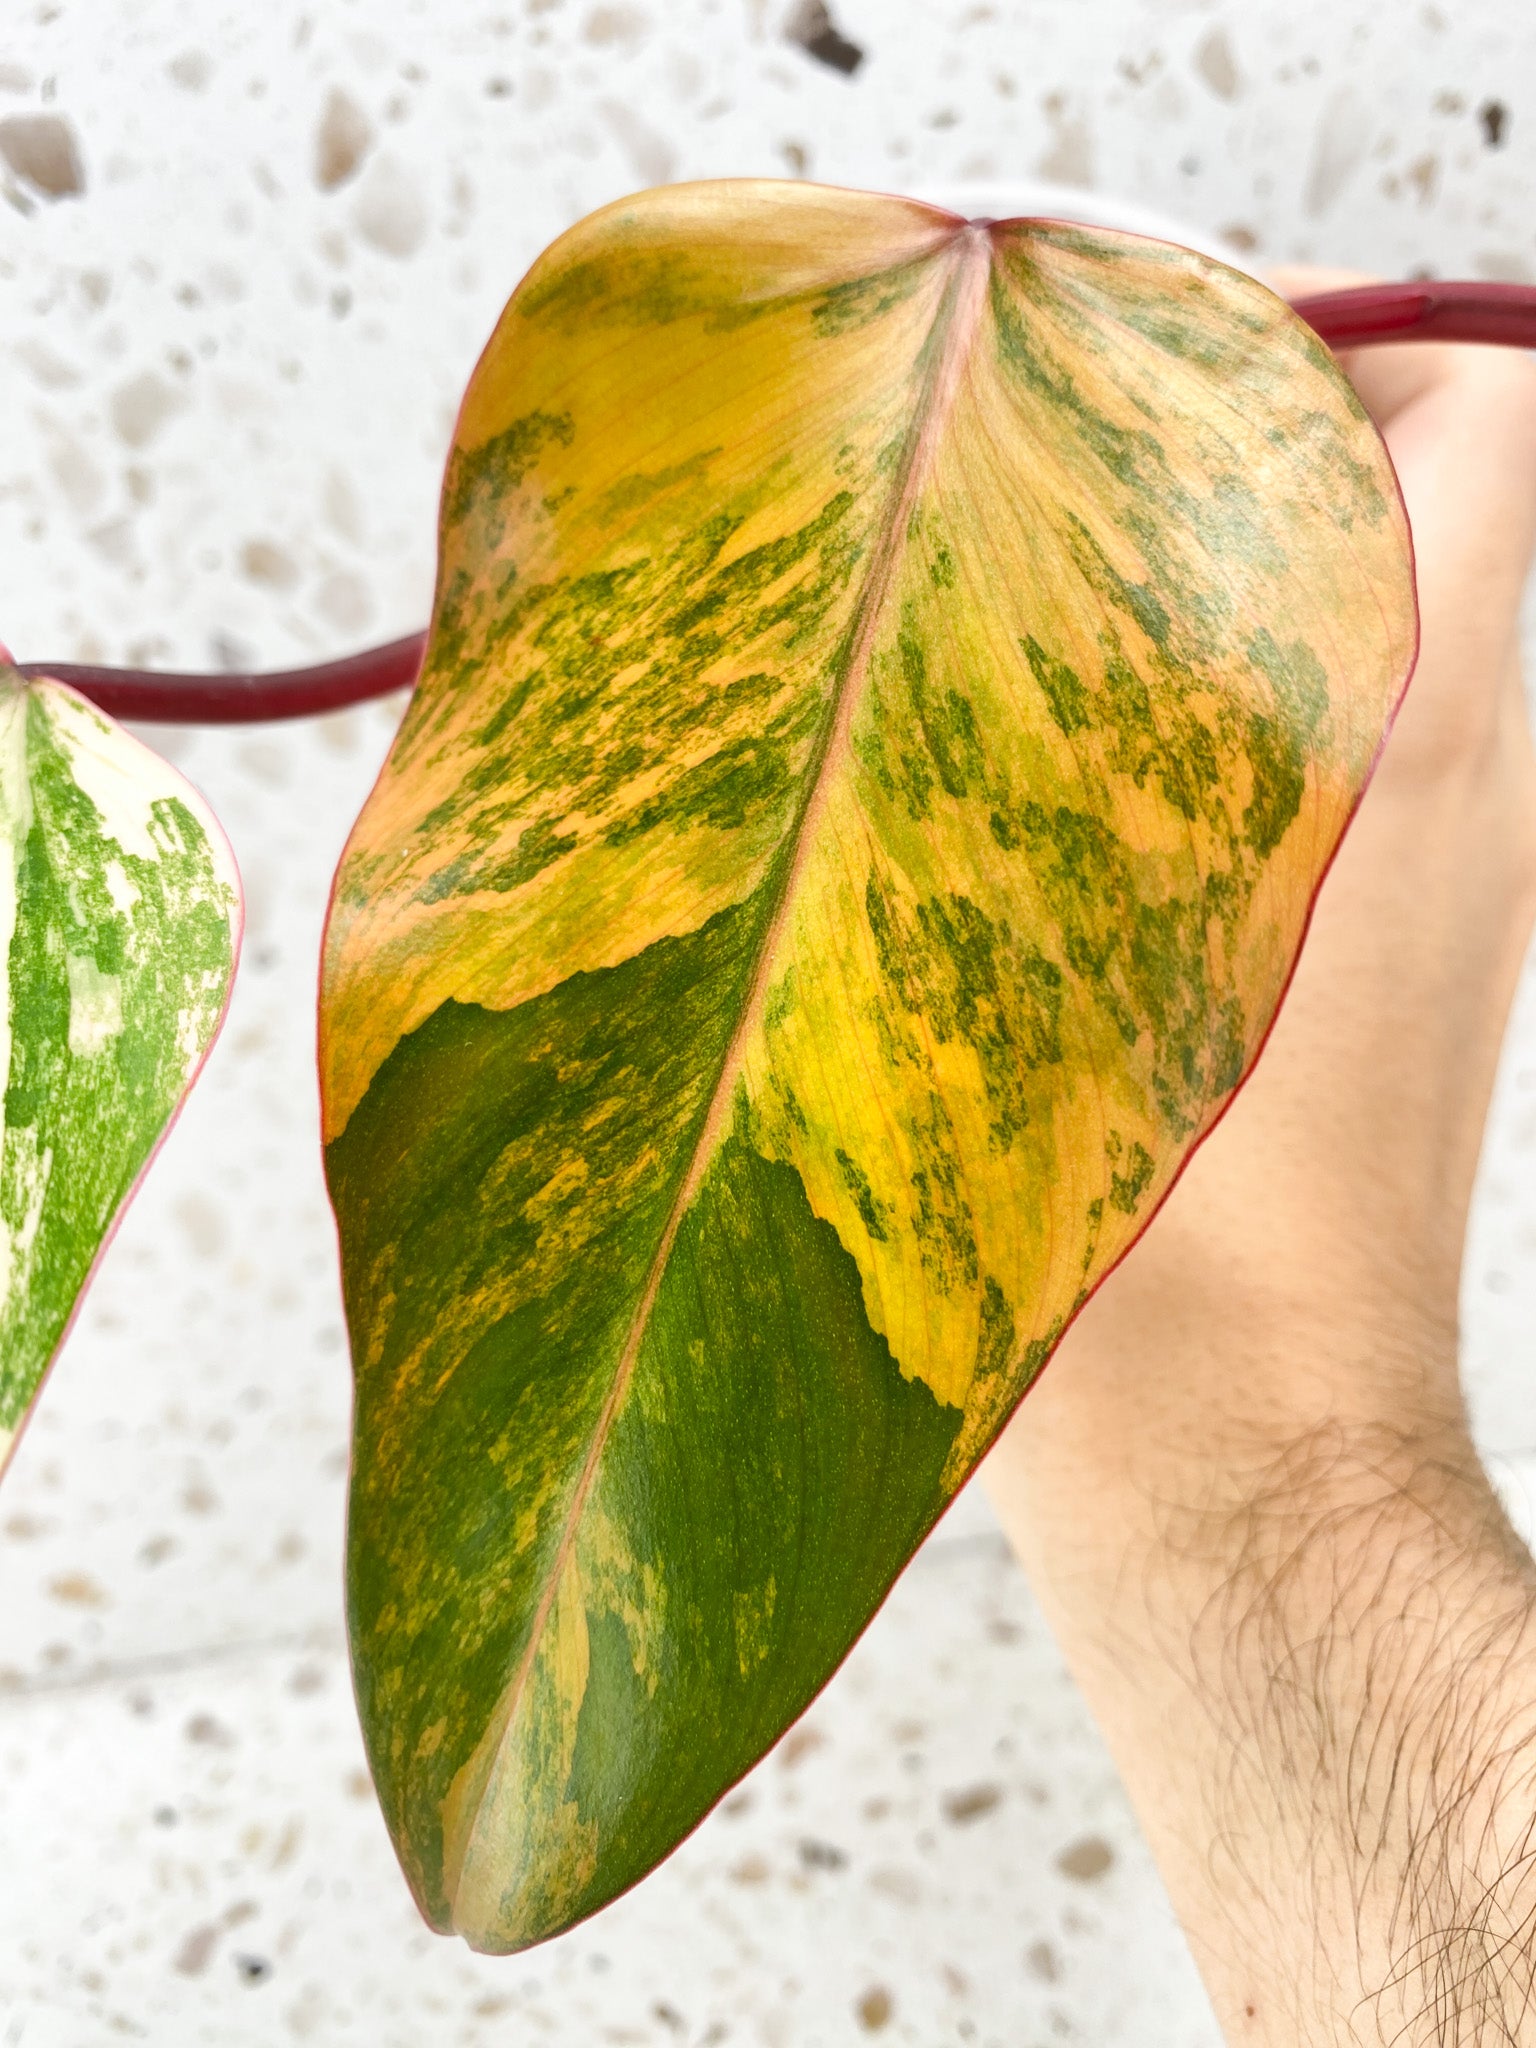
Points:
[[1387, 379], [1392, 378], [1465, 452]]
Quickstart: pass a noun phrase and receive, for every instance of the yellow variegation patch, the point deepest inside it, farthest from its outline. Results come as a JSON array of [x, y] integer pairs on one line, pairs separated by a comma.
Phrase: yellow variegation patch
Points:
[[895, 688]]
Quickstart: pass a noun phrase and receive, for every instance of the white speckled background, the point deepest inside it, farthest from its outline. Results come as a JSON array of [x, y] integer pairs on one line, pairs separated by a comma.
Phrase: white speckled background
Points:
[[228, 365]]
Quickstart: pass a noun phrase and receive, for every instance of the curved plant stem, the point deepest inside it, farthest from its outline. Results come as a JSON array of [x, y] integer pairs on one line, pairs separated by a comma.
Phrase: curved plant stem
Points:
[[1372, 313], [239, 699], [1427, 311]]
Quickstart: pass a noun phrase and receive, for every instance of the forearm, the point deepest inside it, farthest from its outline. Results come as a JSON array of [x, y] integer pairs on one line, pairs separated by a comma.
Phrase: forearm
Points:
[[1312, 1649]]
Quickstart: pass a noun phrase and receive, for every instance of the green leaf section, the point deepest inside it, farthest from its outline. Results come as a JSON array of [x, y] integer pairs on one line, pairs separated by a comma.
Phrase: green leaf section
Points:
[[119, 926], [767, 1474]]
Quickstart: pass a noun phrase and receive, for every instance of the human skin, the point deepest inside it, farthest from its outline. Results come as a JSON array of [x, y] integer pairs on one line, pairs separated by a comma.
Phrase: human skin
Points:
[[1245, 1489]]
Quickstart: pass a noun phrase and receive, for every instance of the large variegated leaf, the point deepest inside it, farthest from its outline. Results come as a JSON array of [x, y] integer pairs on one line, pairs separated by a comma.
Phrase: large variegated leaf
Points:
[[895, 689], [119, 927]]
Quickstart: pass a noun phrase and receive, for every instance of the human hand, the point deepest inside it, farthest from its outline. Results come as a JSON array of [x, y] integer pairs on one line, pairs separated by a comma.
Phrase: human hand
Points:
[[1244, 1488]]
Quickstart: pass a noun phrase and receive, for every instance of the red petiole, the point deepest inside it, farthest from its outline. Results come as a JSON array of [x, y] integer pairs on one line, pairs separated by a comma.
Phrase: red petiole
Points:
[[1366, 314]]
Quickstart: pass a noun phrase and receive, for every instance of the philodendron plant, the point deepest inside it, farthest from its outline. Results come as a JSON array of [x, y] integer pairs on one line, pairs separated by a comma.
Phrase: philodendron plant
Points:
[[895, 688]]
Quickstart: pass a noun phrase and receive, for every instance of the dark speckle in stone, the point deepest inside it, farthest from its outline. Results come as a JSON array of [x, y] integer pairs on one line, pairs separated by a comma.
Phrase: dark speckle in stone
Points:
[[205, 1728], [812, 27], [874, 2009], [192, 1957], [972, 1803], [1086, 1860], [41, 148], [1043, 1962], [822, 1856], [798, 1744], [1494, 116]]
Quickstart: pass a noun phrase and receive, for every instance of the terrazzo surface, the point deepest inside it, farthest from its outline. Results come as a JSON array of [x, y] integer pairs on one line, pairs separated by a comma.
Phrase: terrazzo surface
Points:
[[247, 258]]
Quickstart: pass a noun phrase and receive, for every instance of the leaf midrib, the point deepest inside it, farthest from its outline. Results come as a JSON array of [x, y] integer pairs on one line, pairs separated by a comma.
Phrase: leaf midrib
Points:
[[948, 344]]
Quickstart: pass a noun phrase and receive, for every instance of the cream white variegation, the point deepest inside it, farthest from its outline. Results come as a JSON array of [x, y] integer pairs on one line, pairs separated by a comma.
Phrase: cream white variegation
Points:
[[120, 917]]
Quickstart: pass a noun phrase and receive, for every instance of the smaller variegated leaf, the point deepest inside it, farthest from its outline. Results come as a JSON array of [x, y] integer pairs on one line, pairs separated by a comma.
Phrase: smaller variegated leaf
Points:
[[120, 917]]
